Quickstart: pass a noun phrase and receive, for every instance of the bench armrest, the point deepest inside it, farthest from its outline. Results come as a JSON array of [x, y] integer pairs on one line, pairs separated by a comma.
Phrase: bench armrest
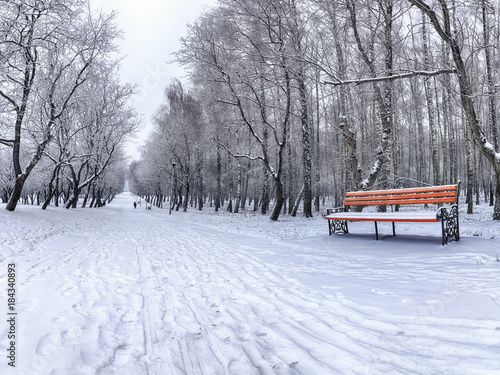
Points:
[[447, 213], [329, 211]]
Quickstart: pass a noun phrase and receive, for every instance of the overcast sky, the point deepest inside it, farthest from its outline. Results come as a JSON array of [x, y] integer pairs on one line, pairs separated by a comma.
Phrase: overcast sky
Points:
[[151, 32]]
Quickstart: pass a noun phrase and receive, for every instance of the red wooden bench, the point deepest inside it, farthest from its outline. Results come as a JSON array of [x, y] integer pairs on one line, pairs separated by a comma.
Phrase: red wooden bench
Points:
[[448, 216]]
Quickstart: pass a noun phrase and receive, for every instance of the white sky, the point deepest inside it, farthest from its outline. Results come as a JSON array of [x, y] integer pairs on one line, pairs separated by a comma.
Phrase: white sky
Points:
[[151, 32]]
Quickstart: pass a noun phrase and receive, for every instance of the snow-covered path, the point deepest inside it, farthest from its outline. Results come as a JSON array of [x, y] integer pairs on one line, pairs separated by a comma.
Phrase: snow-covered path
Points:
[[124, 291]]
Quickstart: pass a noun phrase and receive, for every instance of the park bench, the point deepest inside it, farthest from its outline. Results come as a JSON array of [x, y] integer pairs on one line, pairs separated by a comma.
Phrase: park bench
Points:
[[447, 216]]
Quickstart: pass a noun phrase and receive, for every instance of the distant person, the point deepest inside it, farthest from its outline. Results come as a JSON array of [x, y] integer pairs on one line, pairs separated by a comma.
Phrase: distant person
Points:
[[135, 204]]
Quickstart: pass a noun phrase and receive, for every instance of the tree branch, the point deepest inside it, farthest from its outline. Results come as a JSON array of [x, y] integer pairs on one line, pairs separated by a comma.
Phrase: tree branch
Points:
[[7, 142], [238, 156], [393, 77], [10, 100]]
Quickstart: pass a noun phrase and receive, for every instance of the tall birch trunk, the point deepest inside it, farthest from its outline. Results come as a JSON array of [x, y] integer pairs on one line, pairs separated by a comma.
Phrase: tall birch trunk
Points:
[[431, 110], [452, 129], [218, 188], [304, 113], [199, 177], [489, 75], [317, 183], [383, 96], [470, 172], [306, 145], [347, 130], [238, 188]]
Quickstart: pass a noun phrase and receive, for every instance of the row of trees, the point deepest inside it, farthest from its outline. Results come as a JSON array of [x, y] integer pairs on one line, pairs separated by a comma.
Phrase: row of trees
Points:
[[63, 113], [306, 99]]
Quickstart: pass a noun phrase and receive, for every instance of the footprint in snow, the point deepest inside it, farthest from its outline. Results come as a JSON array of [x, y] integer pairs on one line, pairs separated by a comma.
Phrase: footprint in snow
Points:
[[47, 347], [72, 333], [122, 355]]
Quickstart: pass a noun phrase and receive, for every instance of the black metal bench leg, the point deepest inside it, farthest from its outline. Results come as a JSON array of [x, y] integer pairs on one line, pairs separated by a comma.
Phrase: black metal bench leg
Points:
[[393, 229], [337, 226], [449, 224], [376, 229]]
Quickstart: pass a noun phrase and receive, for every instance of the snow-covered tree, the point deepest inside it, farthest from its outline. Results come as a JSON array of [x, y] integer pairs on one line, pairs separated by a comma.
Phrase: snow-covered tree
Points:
[[47, 55]]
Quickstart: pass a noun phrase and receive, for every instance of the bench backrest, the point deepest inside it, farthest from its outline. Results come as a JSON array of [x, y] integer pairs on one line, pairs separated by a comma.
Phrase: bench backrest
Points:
[[422, 195]]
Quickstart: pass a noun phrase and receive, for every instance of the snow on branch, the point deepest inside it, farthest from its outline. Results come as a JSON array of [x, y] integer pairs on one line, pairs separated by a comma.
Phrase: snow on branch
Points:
[[237, 156], [391, 77], [7, 142]]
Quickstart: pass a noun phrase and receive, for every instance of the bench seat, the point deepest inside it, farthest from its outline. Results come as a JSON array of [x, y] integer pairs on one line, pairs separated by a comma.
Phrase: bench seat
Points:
[[420, 217]]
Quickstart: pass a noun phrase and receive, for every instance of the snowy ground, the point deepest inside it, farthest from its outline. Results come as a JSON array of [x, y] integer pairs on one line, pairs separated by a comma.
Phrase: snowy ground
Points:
[[123, 291]]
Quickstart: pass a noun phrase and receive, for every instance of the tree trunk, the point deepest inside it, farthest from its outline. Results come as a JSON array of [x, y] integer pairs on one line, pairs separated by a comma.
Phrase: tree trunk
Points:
[[453, 157], [218, 189], [430, 107], [199, 172], [348, 133], [470, 173], [489, 75], [85, 199], [297, 202], [255, 192], [265, 192], [382, 97], [306, 146], [279, 200], [317, 153], [496, 209], [291, 178], [245, 189], [238, 188], [231, 184], [187, 187], [50, 193], [16, 193]]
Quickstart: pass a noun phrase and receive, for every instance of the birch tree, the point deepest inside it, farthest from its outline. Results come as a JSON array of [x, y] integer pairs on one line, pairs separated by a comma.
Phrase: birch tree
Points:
[[431, 110], [297, 31], [383, 95]]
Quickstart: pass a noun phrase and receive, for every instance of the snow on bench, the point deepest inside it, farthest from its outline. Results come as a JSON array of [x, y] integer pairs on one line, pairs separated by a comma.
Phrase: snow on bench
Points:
[[448, 216]]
